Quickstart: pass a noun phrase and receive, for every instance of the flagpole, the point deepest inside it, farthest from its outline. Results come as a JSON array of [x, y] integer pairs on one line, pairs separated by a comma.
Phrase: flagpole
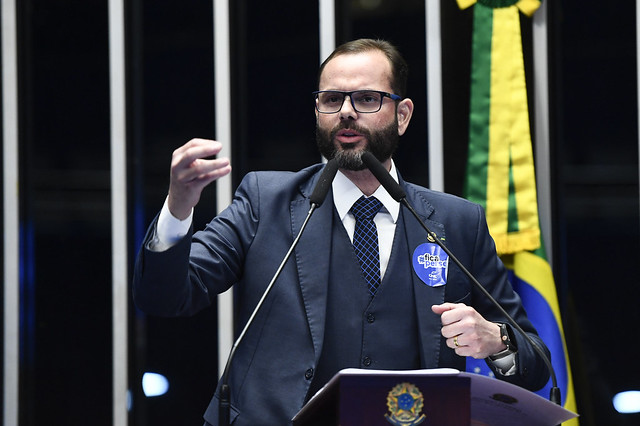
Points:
[[11, 222], [118, 154], [638, 78], [327, 28], [434, 94], [224, 193], [541, 126]]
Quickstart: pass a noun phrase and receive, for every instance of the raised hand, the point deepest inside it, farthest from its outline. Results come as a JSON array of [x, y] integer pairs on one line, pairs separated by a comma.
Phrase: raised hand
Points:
[[192, 169]]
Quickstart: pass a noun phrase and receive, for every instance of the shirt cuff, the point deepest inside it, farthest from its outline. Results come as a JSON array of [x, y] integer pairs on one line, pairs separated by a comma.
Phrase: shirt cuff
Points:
[[169, 230], [505, 362]]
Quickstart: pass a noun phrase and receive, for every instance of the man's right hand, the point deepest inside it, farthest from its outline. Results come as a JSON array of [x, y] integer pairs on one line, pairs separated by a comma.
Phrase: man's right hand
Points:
[[191, 171]]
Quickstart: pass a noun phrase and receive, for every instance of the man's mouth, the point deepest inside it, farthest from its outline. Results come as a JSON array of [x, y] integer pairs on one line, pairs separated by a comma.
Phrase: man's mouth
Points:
[[348, 136]]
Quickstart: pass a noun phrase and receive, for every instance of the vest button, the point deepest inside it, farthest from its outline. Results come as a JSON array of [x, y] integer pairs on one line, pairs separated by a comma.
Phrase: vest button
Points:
[[371, 318], [308, 374], [366, 361]]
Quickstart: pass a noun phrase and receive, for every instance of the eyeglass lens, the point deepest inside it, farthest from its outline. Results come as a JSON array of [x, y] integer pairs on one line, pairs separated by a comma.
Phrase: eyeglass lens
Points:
[[361, 100]]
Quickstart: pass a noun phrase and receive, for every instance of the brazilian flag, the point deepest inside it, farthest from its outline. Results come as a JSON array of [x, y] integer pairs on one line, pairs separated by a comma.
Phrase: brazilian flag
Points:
[[501, 177]]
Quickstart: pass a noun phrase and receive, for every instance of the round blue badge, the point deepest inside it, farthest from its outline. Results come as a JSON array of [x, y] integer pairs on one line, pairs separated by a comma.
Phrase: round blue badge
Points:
[[431, 264]]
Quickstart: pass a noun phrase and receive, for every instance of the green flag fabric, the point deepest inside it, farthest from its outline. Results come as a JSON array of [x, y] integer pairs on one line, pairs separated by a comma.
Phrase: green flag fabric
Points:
[[501, 177]]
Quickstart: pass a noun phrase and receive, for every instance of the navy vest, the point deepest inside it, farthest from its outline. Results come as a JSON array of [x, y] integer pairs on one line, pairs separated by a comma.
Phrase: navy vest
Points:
[[365, 332]]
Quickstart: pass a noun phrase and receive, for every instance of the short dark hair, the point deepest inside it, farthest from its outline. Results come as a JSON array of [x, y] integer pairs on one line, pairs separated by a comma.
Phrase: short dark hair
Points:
[[399, 67]]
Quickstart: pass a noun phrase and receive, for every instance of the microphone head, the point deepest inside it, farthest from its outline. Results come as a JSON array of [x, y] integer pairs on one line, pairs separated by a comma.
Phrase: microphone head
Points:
[[324, 183], [383, 176]]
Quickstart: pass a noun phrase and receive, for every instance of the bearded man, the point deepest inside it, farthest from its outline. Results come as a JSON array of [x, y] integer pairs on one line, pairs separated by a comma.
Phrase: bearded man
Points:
[[331, 307]]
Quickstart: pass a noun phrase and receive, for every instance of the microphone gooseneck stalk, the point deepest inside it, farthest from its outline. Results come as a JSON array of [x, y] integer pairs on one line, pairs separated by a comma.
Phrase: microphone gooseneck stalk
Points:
[[317, 198], [324, 183], [398, 194]]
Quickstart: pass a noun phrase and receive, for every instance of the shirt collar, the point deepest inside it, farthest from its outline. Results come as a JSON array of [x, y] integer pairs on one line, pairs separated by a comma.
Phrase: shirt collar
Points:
[[345, 193]]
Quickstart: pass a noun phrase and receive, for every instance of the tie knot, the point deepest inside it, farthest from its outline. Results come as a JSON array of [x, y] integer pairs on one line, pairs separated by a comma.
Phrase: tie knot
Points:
[[366, 208]]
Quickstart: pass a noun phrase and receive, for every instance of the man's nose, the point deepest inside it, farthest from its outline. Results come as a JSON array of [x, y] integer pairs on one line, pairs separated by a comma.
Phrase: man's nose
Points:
[[347, 110]]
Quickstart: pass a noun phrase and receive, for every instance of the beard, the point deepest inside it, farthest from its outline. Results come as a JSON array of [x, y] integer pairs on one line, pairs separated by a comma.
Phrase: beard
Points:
[[381, 143]]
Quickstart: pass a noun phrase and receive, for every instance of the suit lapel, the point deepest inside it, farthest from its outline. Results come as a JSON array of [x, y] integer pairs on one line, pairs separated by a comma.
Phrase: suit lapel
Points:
[[312, 259], [425, 296]]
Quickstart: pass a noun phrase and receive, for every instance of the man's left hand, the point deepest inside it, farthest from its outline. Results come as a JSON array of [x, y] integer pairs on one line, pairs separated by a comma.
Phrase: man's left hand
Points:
[[467, 332]]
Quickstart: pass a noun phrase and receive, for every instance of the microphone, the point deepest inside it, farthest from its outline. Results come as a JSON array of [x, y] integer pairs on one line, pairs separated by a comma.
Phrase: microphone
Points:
[[317, 198], [398, 194], [324, 183]]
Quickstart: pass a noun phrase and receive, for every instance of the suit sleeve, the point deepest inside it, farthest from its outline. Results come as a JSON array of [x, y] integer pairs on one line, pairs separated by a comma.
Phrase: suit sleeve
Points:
[[185, 279], [532, 372]]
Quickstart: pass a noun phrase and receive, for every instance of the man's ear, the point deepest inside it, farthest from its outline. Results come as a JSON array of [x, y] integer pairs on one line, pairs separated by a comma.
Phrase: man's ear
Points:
[[404, 111]]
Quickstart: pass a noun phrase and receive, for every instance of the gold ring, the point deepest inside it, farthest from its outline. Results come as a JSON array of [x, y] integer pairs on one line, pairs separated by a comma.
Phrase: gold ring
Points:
[[455, 342]]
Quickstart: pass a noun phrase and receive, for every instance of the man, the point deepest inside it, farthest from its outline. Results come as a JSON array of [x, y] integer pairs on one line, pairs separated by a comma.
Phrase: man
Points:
[[328, 311]]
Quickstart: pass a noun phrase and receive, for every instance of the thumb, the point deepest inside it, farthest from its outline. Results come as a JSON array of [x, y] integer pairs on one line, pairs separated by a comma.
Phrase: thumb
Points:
[[440, 309]]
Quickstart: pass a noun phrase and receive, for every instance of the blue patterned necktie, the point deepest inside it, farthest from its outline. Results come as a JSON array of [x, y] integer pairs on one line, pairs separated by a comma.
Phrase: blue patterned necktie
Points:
[[365, 240]]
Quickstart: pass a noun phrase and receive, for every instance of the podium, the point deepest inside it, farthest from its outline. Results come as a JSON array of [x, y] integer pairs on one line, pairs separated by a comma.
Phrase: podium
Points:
[[355, 397]]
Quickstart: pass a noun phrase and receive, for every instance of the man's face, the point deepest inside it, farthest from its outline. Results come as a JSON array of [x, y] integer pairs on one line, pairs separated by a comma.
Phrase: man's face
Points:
[[345, 135]]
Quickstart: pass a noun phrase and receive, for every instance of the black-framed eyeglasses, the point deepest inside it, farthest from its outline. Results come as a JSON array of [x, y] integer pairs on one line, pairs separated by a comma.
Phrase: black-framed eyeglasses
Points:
[[363, 101]]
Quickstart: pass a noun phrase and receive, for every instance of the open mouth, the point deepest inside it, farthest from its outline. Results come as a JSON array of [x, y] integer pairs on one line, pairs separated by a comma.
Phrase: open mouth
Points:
[[348, 136]]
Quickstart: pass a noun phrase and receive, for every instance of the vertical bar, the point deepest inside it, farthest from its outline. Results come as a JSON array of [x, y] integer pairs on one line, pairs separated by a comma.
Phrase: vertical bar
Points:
[[222, 86], [638, 74], [11, 212], [541, 125], [118, 210], [327, 28], [434, 94]]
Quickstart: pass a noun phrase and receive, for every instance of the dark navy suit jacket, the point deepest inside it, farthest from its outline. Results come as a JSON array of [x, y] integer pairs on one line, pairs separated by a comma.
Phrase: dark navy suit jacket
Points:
[[244, 245]]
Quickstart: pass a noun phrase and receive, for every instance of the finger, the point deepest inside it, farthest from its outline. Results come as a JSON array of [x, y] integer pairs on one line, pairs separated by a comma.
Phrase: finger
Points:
[[196, 142], [450, 312], [195, 149], [193, 143], [463, 349], [200, 170], [186, 171], [213, 170], [439, 309], [455, 342]]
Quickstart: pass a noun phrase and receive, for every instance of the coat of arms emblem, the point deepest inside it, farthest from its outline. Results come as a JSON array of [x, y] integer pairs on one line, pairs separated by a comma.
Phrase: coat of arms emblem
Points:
[[405, 404]]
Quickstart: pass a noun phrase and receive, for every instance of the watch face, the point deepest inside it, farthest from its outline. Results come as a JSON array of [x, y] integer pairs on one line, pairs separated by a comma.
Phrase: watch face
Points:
[[506, 339]]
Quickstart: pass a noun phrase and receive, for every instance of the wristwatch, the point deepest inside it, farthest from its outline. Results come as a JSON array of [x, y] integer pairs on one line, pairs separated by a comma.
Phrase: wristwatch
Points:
[[507, 337]]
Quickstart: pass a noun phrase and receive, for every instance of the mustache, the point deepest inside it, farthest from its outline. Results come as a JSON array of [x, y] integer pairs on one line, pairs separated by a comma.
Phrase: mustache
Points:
[[349, 126]]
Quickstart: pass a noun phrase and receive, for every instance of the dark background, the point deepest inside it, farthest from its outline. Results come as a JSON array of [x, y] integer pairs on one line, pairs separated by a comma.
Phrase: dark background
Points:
[[65, 341]]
